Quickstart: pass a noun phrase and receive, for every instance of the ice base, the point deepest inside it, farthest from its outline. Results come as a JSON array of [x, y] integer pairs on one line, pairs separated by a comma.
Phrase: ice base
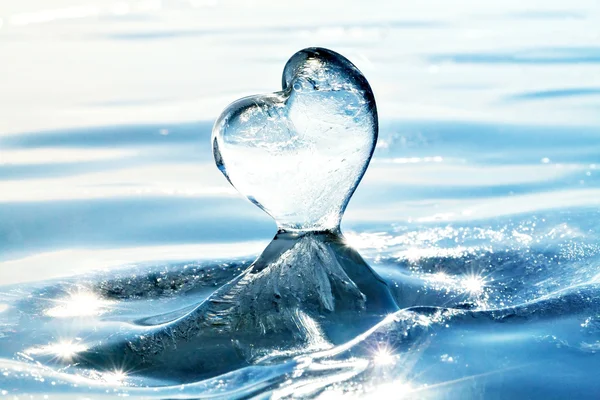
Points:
[[307, 290], [315, 272]]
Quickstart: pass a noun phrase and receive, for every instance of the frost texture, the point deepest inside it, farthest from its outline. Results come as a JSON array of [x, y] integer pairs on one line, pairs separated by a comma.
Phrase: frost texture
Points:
[[316, 273]]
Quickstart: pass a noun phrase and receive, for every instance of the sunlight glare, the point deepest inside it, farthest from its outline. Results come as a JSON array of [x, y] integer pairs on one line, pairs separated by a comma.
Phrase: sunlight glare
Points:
[[64, 350], [383, 356], [79, 304], [473, 284], [362, 241], [114, 377]]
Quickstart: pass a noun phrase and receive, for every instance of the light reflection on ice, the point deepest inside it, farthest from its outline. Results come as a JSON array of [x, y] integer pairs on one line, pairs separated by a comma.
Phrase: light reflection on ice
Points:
[[63, 350], [430, 242], [415, 253], [473, 284], [79, 304], [67, 262], [423, 171], [114, 377], [383, 356], [359, 241]]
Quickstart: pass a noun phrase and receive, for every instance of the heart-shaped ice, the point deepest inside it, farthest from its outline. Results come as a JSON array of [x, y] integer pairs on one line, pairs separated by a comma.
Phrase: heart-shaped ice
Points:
[[300, 153]]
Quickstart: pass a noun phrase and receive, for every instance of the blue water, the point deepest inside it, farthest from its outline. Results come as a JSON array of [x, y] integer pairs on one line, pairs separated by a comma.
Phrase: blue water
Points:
[[480, 207]]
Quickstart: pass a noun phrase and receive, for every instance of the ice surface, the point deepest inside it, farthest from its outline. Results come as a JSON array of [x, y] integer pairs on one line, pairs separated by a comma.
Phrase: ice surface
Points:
[[481, 201], [300, 153]]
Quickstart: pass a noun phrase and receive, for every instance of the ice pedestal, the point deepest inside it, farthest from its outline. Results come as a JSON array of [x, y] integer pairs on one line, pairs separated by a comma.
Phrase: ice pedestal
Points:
[[316, 273]]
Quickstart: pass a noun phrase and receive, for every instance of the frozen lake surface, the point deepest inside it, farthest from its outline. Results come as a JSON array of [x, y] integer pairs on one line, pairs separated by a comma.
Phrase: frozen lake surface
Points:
[[480, 206]]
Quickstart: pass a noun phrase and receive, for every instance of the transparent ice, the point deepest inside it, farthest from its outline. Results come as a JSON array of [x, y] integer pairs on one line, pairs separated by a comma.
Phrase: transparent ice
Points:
[[480, 211], [299, 153]]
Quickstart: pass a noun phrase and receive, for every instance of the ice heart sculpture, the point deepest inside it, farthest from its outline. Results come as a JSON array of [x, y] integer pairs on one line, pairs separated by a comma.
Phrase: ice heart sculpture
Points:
[[300, 153]]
